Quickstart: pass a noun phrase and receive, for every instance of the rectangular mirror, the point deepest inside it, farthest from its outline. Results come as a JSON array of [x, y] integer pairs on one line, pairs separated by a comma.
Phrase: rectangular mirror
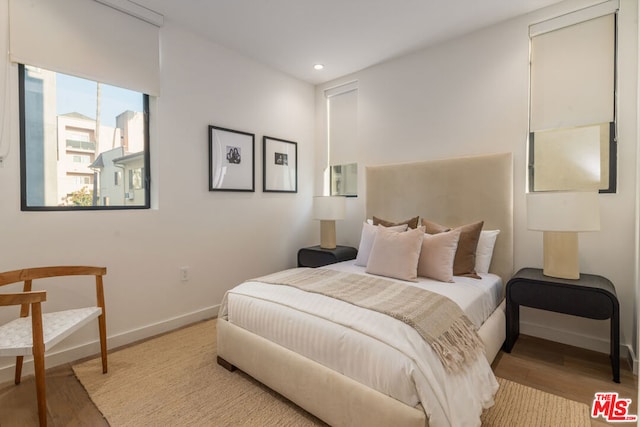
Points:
[[573, 159], [344, 180]]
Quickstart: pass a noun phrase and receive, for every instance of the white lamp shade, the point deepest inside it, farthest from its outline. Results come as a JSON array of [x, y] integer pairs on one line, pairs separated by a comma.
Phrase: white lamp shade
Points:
[[563, 211], [329, 208]]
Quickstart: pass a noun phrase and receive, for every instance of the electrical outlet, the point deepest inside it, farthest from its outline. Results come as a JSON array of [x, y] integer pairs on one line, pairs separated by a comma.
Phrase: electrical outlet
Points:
[[184, 274]]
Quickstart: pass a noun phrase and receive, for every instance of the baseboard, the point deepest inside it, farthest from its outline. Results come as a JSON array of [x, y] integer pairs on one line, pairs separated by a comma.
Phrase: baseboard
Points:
[[161, 327], [578, 340], [68, 355], [632, 359]]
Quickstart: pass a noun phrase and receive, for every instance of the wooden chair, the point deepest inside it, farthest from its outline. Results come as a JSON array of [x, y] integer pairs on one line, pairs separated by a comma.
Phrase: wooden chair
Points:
[[39, 332]]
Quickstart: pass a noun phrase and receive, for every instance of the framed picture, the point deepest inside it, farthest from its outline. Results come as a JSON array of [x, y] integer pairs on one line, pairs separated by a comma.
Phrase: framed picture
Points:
[[279, 165], [231, 160]]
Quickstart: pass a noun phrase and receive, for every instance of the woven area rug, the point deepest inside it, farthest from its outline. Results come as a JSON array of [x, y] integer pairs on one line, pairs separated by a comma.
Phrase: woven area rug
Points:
[[174, 380]]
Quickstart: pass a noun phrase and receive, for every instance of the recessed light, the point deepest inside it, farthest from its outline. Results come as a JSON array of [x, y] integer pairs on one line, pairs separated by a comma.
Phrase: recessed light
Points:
[[318, 67]]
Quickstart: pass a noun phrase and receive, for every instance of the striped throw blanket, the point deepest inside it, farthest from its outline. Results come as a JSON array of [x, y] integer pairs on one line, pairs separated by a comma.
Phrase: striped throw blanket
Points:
[[438, 320]]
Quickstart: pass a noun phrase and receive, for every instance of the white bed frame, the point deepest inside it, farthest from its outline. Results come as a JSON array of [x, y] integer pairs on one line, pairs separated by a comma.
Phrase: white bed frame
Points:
[[452, 192]]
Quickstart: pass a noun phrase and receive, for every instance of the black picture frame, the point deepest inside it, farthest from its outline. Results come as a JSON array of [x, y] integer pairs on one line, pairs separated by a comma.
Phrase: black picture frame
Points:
[[232, 160], [279, 165]]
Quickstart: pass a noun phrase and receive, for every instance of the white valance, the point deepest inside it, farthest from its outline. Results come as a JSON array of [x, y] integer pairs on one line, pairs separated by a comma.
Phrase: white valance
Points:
[[86, 39]]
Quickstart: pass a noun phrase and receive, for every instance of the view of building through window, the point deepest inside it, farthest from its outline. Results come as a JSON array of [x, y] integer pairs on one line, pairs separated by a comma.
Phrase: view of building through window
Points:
[[83, 143]]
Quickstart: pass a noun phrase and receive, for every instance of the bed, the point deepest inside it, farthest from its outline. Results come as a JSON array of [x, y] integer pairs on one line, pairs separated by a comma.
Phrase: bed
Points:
[[333, 383]]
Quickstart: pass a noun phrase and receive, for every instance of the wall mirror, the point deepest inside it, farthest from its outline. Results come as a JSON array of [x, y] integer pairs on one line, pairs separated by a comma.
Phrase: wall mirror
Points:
[[573, 159], [344, 180]]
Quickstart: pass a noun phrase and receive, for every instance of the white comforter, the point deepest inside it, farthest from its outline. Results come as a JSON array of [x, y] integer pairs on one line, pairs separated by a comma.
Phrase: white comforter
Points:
[[372, 348]]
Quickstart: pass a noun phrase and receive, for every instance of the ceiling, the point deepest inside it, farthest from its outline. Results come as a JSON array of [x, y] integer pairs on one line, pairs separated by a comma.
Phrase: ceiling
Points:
[[344, 35]]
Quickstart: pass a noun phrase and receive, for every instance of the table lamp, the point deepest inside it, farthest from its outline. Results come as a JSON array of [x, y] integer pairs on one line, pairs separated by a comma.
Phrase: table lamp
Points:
[[561, 215], [328, 209]]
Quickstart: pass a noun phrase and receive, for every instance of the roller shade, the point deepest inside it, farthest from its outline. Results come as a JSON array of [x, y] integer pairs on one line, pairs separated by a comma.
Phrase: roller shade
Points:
[[572, 75], [343, 127], [86, 39]]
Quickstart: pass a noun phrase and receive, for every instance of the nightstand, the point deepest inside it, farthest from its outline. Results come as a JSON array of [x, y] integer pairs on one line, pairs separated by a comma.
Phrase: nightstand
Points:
[[315, 256], [590, 296]]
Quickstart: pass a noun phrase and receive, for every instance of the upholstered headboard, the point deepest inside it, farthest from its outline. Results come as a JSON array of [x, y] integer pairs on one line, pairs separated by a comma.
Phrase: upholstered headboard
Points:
[[451, 192]]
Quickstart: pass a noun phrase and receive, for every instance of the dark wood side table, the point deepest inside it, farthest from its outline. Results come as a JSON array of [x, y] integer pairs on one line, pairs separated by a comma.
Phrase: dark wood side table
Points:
[[590, 296], [315, 256]]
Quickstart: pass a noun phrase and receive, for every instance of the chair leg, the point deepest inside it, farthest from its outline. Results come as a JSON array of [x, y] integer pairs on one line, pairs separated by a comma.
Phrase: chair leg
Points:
[[18, 376], [102, 321], [38, 363], [41, 387], [102, 326]]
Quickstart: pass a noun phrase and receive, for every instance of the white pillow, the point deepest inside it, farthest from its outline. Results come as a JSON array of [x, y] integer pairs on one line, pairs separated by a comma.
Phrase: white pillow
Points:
[[366, 241], [484, 250], [437, 255], [396, 254]]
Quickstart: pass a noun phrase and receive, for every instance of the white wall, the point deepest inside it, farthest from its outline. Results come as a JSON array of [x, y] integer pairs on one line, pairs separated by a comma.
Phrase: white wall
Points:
[[223, 237], [470, 96]]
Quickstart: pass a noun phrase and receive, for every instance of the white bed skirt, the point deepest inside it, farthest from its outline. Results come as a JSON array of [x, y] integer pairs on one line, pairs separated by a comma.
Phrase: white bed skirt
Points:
[[334, 398]]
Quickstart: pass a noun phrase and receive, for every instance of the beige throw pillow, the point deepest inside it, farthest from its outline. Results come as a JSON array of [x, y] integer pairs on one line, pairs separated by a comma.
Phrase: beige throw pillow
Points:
[[437, 255], [367, 238], [464, 263], [396, 254]]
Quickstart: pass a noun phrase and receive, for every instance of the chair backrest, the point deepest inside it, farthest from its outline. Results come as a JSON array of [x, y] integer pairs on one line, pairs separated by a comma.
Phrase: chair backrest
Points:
[[29, 274]]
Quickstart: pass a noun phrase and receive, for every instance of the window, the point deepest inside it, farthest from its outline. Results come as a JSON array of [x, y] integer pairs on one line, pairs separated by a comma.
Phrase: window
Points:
[[103, 115], [81, 159], [572, 138], [75, 135], [135, 179], [342, 131]]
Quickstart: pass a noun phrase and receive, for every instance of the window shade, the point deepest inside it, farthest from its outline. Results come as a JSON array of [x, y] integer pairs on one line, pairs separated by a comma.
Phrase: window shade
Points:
[[343, 127], [86, 39], [572, 75]]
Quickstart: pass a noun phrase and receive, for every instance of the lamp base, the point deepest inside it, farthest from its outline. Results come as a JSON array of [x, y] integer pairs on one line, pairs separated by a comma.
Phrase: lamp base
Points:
[[327, 234], [560, 253]]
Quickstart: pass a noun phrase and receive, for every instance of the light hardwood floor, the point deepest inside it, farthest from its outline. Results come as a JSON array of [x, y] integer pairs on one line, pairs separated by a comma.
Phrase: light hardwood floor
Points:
[[566, 371]]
